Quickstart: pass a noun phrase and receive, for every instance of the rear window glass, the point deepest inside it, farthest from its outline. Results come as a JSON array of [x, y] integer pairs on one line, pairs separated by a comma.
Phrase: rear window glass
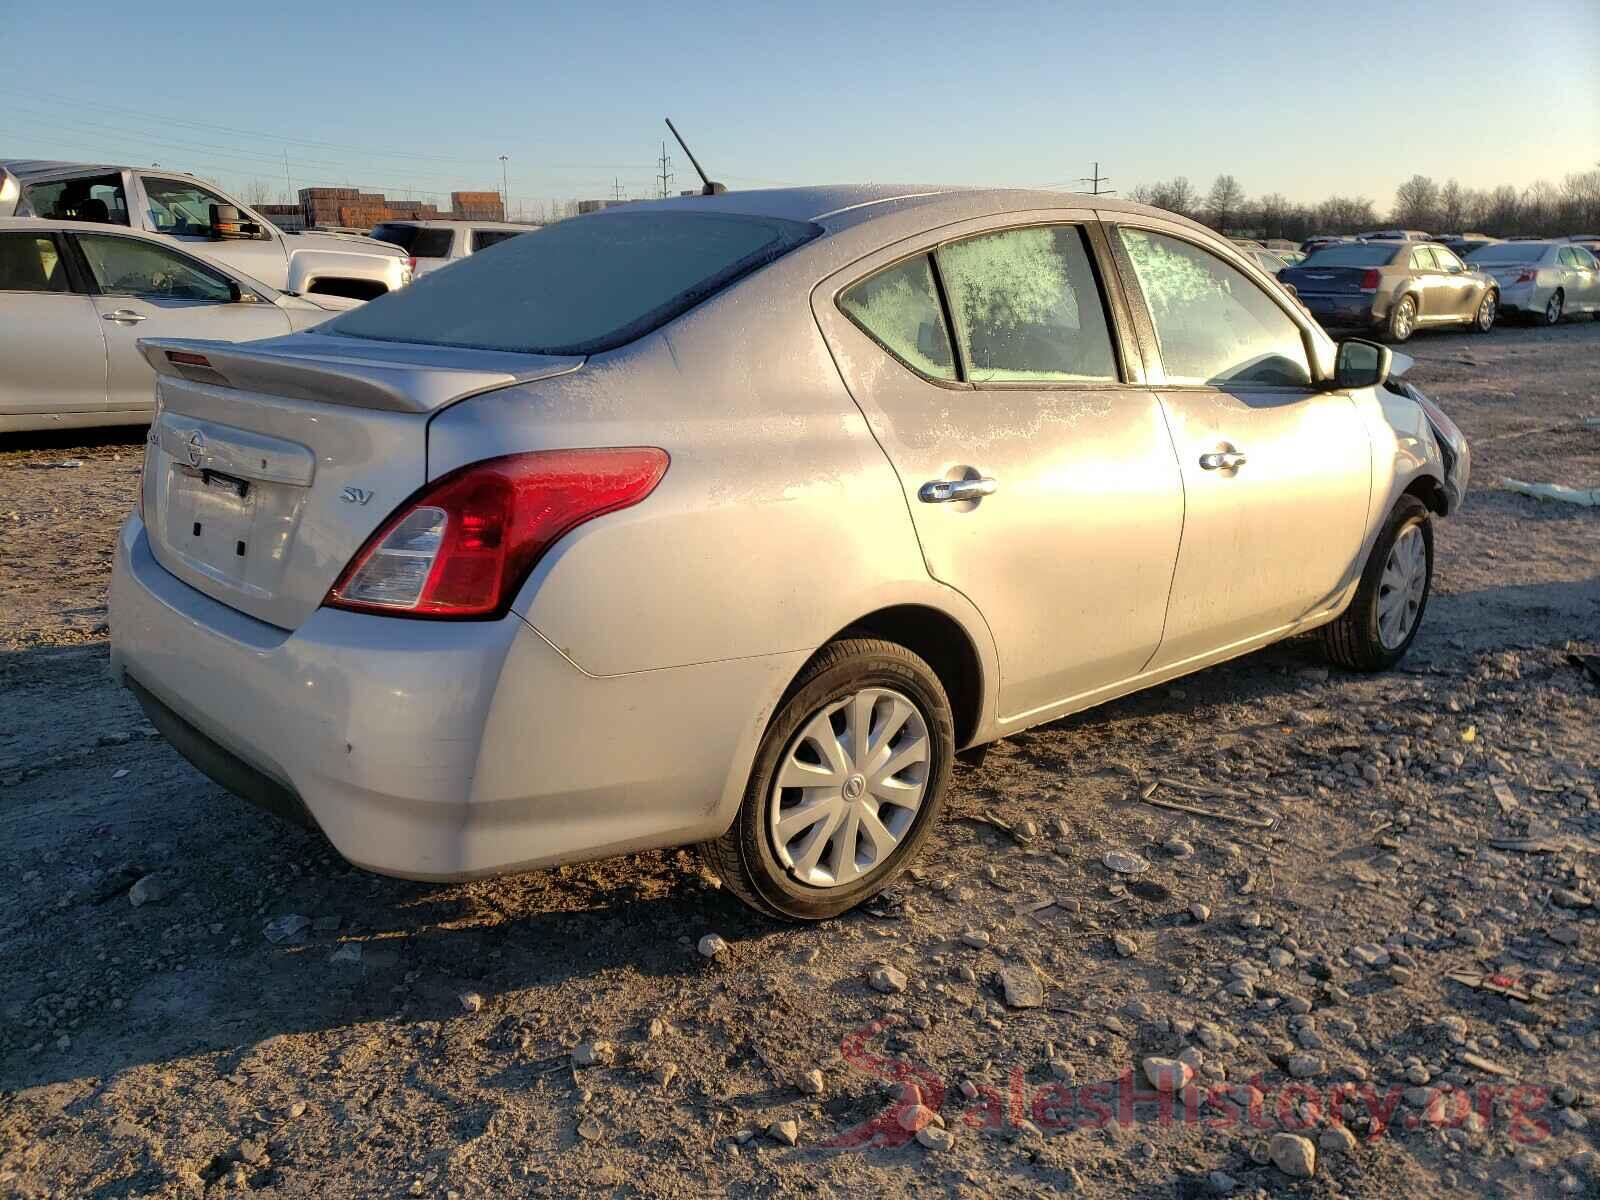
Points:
[[415, 241], [586, 284], [482, 239], [1510, 252], [1351, 255]]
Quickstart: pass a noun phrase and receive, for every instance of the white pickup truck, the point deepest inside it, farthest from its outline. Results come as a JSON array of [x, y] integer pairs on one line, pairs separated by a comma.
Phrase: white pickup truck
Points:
[[214, 225]]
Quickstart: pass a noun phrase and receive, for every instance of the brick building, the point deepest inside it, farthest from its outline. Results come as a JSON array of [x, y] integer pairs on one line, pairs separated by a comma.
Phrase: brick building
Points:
[[355, 209]]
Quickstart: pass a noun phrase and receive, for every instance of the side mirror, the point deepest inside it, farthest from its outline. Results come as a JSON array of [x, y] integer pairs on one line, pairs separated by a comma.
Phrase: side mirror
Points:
[[1360, 364], [226, 224]]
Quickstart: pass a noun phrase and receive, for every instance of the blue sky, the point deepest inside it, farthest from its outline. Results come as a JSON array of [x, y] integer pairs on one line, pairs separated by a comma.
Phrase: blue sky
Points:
[[1305, 99]]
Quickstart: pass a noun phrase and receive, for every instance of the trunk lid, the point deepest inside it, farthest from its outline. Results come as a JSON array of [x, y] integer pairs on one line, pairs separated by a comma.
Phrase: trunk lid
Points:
[[269, 464], [1325, 281]]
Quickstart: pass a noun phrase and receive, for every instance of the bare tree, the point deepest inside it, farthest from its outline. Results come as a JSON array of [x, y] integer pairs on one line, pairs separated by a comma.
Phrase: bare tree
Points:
[[1453, 206], [1224, 201], [257, 192], [1175, 195], [1416, 204], [1540, 207], [1345, 214]]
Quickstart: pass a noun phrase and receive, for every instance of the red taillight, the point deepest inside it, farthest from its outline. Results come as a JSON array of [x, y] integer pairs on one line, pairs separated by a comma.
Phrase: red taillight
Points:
[[1527, 274], [462, 546], [1369, 281], [184, 358]]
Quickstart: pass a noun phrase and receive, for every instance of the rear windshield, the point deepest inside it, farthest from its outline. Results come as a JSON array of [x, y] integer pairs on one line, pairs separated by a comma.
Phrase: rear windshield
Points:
[[417, 242], [1351, 254], [1510, 252], [586, 284]]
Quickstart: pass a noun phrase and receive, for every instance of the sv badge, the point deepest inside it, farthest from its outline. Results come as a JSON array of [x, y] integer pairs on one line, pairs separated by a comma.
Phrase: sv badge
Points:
[[355, 495]]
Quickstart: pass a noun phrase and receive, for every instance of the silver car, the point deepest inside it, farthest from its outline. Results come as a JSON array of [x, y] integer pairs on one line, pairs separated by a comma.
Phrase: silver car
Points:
[[1542, 281], [76, 297], [732, 520]]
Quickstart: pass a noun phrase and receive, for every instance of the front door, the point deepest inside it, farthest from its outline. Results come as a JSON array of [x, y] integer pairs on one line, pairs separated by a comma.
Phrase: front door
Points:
[[1277, 474], [148, 290], [1038, 472], [182, 211], [54, 357]]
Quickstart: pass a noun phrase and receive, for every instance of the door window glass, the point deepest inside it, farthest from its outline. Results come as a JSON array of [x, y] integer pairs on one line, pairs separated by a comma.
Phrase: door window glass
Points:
[[482, 239], [180, 208], [98, 198], [128, 267], [899, 309], [1422, 259], [1446, 259], [29, 263], [1213, 324], [1026, 307]]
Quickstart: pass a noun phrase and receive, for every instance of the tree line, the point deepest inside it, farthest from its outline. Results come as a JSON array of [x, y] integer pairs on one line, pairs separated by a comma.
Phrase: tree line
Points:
[[1572, 206]]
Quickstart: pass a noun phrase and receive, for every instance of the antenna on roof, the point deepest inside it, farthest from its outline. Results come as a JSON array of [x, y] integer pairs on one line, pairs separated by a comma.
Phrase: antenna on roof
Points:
[[710, 189]]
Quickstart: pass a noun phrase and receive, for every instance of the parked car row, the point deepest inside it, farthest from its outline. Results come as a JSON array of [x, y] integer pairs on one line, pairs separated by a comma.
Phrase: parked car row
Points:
[[1395, 286]]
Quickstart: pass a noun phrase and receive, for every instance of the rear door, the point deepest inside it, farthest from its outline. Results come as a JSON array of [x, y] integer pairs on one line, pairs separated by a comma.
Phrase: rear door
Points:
[[1276, 474], [145, 289], [1035, 463], [54, 356], [1433, 296]]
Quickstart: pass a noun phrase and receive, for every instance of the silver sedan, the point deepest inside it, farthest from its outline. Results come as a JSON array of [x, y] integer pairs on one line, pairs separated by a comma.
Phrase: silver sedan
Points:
[[75, 298], [1543, 281], [732, 520]]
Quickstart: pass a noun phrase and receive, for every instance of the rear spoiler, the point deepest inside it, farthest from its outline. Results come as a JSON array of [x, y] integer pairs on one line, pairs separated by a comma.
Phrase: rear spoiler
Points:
[[361, 374]]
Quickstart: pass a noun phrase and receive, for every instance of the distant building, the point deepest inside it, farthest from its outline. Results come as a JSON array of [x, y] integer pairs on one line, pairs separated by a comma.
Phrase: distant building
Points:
[[594, 206], [286, 217], [355, 209]]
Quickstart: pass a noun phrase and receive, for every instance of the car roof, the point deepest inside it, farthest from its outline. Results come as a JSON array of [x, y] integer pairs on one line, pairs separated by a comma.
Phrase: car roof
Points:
[[37, 168], [837, 207]]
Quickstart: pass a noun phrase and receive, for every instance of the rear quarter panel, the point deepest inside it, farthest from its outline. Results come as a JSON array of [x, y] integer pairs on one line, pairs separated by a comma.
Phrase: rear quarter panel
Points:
[[778, 522]]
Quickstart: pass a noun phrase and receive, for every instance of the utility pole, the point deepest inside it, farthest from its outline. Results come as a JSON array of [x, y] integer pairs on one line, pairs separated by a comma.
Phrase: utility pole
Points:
[[288, 186], [1096, 180], [666, 175], [616, 189], [505, 187]]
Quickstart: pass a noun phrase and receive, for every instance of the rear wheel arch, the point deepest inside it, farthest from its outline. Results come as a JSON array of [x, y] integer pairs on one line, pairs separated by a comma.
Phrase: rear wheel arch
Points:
[[943, 643]]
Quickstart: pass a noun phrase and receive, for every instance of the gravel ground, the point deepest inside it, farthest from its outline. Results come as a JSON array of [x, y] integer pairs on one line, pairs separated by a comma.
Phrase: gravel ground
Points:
[[1378, 964]]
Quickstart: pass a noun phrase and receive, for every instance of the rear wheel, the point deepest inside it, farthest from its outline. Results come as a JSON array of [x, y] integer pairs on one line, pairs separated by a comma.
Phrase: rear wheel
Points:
[[1488, 309], [846, 786], [1382, 621], [1402, 320], [1552, 309]]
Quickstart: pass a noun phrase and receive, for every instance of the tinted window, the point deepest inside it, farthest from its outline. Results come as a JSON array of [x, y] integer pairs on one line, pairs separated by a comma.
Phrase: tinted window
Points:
[[129, 267], [482, 239], [1213, 324], [416, 241], [99, 198], [588, 284], [899, 308], [1511, 252], [1026, 307], [30, 264], [1351, 254]]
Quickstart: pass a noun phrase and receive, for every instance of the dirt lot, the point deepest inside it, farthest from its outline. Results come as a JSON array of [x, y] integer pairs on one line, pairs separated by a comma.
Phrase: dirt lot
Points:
[[1409, 942]]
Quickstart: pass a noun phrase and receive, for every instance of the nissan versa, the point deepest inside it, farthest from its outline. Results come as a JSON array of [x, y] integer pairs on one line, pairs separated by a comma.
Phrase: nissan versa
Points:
[[732, 520]]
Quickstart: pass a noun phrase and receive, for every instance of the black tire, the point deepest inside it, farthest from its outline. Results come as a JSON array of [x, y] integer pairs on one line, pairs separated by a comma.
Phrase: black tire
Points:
[[1554, 308], [1353, 640], [1488, 310], [1402, 322], [745, 856]]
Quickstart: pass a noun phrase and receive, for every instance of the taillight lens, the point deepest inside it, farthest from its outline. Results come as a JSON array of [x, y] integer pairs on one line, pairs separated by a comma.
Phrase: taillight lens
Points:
[[463, 546], [410, 272], [1527, 275], [1369, 281]]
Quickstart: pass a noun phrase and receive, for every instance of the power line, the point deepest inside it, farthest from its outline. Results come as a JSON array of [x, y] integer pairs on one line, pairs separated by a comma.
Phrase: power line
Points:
[[666, 175]]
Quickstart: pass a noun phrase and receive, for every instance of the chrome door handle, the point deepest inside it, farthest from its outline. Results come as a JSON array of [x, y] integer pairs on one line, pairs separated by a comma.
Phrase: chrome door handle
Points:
[[124, 316], [942, 491], [1223, 460]]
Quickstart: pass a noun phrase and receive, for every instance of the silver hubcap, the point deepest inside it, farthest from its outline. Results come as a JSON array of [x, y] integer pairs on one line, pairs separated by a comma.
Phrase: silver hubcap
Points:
[[1552, 311], [848, 787], [1402, 320], [1486, 311], [1405, 579]]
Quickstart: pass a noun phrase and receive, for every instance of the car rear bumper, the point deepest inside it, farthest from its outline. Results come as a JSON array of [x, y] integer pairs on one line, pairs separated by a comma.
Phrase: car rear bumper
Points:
[[1523, 298], [1340, 309], [432, 749]]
